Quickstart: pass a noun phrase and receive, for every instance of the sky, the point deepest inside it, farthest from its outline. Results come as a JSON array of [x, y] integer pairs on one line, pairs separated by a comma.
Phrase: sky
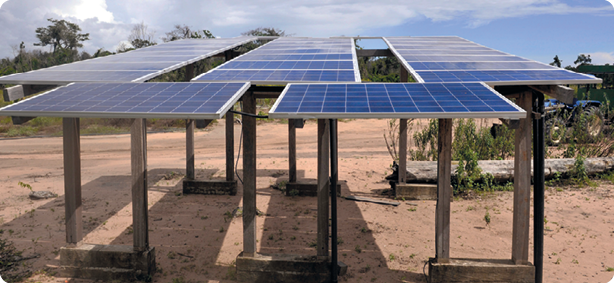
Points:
[[534, 29]]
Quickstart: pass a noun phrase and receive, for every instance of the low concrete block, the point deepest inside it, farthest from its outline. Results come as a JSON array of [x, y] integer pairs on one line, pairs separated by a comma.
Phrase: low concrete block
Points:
[[284, 268], [306, 188], [416, 191], [107, 262], [480, 270], [210, 187]]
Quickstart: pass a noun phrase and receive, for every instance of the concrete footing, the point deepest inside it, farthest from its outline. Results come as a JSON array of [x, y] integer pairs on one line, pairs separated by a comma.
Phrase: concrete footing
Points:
[[107, 263], [210, 187], [285, 268], [480, 270], [410, 191], [306, 188]]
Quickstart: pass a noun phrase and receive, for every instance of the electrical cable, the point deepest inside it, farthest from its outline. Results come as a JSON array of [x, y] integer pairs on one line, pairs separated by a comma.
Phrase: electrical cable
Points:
[[249, 114], [239, 154], [426, 278]]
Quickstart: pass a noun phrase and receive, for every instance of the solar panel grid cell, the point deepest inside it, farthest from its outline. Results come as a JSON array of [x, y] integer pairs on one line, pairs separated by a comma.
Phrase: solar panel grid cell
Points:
[[173, 100], [392, 100]]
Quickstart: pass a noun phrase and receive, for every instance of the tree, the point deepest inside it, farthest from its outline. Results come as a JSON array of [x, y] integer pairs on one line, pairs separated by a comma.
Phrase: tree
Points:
[[62, 35], [140, 36], [183, 32], [583, 60], [557, 62], [265, 32]]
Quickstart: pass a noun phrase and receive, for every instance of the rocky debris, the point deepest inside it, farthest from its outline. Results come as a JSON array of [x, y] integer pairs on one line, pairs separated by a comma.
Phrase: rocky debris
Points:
[[36, 195]]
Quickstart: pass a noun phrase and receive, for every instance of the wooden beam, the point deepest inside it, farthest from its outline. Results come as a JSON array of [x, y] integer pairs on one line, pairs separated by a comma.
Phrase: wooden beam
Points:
[[291, 150], [189, 149], [20, 91], [522, 183], [512, 91], [189, 72], [263, 95], [374, 53], [20, 120], [249, 176], [230, 146], [404, 75], [323, 189], [444, 171], [562, 93], [138, 152], [72, 181], [402, 150], [201, 124]]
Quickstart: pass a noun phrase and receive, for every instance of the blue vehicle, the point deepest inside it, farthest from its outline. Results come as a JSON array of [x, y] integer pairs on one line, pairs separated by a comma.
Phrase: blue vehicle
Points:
[[560, 116]]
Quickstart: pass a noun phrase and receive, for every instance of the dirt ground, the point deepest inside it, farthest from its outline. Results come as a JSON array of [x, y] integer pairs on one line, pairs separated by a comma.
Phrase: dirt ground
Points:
[[197, 241]]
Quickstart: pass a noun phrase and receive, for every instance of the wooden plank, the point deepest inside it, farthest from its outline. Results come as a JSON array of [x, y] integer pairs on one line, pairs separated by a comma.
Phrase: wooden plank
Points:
[[404, 77], [522, 183], [323, 187], [374, 53], [402, 150], [138, 152], [356, 198], [20, 120], [201, 124], [442, 211], [562, 93], [20, 91], [249, 176], [189, 149], [292, 150], [72, 181], [230, 146]]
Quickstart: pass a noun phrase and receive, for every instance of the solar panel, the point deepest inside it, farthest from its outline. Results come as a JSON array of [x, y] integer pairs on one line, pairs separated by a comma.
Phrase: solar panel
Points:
[[128, 67], [393, 100], [454, 59], [132, 100], [292, 60]]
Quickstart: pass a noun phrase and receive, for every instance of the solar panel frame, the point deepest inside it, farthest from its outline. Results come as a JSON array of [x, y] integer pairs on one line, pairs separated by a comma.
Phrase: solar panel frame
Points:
[[261, 76], [514, 75], [135, 100], [487, 90], [15, 78]]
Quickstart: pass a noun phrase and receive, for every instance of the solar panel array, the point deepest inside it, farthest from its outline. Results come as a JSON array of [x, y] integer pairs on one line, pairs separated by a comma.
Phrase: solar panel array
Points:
[[394, 100], [132, 100], [133, 66], [454, 59], [292, 60]]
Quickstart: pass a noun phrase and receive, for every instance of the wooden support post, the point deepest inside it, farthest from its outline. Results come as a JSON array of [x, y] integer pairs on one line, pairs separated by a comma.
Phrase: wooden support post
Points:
[[402, 150], [442, 213], [324, 190], [138, 150], [72, 181], [230, 146], [522, 183], [292, 150], [249, 176], [189, 72], [189, 149], [404, 75]]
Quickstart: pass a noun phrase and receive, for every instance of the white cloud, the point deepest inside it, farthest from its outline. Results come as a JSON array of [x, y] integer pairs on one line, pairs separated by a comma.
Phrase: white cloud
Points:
[[601, 58], [109, 21]]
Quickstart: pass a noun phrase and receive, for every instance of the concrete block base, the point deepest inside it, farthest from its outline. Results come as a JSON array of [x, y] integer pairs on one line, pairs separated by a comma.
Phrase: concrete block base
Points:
[[107, 263], [480, 270], [306, 188], [210, 187], [410, 191], [285, 268]]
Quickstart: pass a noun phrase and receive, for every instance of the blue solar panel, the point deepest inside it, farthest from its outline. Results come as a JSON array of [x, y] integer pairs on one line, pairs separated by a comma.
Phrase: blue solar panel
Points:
[[132, 100], [394, 100], [452, 59], [126, 67], [292, 60], [556, 76]]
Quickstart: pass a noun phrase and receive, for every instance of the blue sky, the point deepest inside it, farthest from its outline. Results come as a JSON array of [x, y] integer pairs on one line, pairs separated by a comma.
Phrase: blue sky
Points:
[[535, 29]]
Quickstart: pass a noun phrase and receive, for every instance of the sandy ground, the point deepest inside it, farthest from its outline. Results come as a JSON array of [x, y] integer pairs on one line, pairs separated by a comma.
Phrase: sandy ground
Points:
[[196, 241]]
